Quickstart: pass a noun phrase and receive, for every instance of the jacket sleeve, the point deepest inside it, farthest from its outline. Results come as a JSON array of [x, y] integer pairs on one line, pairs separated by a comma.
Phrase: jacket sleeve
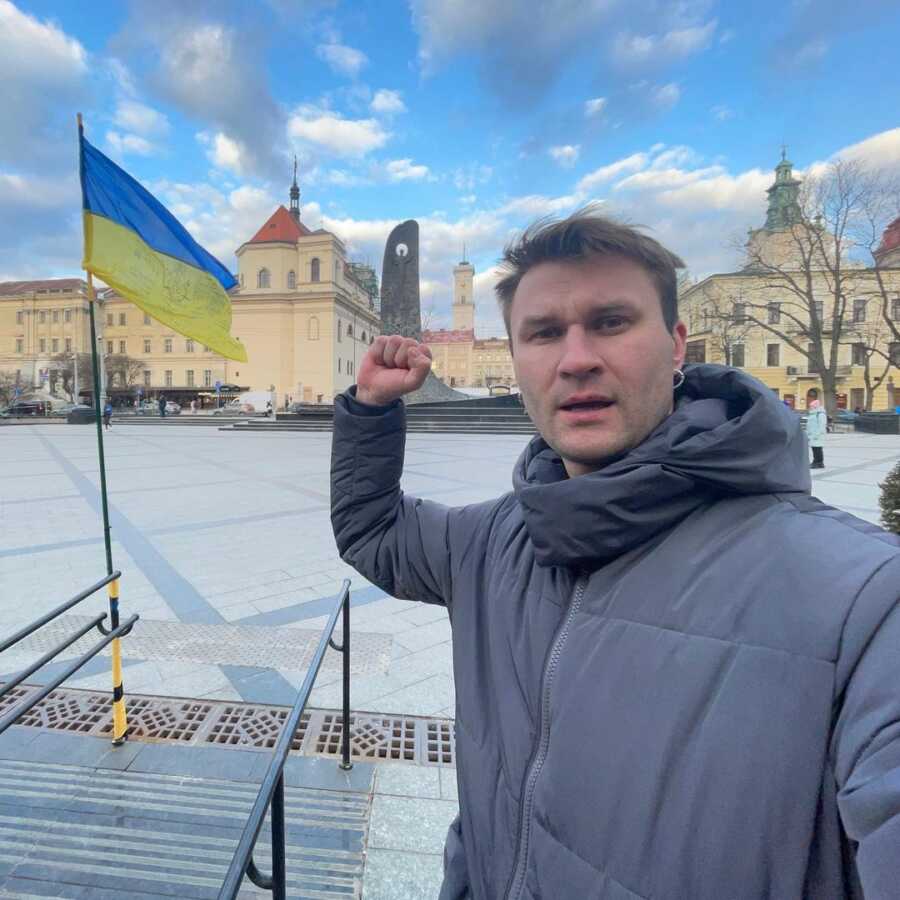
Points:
[[400, 543], [866, 739]]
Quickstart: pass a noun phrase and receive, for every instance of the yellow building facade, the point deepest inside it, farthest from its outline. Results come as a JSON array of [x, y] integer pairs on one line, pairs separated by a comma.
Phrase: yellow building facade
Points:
[[724, 314], [305, 313]]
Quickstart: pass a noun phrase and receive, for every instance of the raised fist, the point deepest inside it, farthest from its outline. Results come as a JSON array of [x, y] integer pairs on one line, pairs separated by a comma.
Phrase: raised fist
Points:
[[393, 366]]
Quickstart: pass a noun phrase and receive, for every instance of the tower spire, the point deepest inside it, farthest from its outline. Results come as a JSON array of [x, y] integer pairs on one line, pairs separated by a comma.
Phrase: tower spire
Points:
[[295, 194]]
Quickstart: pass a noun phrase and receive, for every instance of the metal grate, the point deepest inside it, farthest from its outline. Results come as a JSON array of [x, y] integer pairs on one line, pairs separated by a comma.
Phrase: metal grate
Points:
[[371, 737], [247, 726], [156, 719], [254, 726]]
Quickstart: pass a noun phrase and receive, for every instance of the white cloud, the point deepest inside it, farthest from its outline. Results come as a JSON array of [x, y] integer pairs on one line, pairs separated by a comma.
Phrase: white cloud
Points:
[[468, 199], [342, 59], [387, 102], [881, 151], [810, 52], [640, 49], [342, 137], [594, 107], [404, 170], [466, 178], [140, 119], [722, 113], [535, 206], [226, 153], [43, 72], [605, 174], [665, 96], [122, 144], [565, 154]]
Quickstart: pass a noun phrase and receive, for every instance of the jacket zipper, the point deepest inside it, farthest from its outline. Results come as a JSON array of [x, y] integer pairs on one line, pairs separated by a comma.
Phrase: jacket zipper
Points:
[[517, 880]]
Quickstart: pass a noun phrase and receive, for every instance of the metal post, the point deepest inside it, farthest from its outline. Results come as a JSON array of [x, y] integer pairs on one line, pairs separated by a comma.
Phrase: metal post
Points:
[[345, 650], [279, 875]]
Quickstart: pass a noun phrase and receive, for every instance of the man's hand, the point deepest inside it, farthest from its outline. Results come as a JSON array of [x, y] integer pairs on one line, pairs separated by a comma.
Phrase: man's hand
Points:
[[393, 366]]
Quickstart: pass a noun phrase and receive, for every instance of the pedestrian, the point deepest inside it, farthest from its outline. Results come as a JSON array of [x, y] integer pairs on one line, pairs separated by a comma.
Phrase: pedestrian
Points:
[[816, 428], [162, 407], [193, 407], [107, 414], [268, 407], [676, 672]]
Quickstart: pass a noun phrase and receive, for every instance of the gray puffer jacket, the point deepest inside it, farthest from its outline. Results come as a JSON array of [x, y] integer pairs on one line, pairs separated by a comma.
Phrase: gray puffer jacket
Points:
[[677, 677]]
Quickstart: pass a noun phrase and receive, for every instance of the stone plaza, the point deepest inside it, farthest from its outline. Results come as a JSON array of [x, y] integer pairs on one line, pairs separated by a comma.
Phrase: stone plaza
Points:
[[225, 546]]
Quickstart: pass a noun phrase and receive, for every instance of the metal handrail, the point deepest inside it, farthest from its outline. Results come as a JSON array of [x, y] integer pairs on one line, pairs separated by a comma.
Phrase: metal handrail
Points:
[[271, 791], [109, 635]]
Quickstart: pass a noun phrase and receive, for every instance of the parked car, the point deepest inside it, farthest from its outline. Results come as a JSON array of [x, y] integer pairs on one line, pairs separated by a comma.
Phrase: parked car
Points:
[[172, 408], [28, 408]]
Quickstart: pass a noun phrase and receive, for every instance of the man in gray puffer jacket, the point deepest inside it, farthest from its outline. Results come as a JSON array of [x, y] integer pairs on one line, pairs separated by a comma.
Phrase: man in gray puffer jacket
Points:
[[677, 673]]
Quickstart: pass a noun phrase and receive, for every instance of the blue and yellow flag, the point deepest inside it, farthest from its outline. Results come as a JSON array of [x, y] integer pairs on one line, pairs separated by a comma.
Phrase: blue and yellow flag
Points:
[[136, 246]]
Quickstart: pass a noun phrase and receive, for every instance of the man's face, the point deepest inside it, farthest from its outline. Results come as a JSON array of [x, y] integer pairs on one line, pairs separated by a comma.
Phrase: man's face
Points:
[[593, 357]]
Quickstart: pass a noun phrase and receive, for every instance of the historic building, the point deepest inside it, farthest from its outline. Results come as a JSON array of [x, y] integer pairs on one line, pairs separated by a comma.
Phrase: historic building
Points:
[[304, 311], [719, 310], [461, 359]]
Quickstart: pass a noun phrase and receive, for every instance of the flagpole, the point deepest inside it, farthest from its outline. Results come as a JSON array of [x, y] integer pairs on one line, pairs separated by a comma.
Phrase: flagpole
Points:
[[120, 729]]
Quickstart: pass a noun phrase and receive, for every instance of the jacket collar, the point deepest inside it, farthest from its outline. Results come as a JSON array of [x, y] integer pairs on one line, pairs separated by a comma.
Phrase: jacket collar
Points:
[[728, 435]]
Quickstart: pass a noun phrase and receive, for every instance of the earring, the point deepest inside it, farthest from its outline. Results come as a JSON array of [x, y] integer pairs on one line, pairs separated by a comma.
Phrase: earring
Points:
[[679, 379]]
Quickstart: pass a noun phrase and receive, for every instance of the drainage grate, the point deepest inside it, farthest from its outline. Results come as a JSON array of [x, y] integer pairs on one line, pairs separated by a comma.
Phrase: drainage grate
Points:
[[254, 726], [162, 720], [248, 726]]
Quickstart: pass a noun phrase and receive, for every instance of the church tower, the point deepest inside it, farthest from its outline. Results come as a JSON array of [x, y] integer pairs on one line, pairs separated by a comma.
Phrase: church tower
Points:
[[295, 195], [463, 295], [784, 211]]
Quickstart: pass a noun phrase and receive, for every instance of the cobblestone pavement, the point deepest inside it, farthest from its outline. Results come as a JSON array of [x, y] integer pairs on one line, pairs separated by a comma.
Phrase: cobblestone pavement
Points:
[[225, 546]]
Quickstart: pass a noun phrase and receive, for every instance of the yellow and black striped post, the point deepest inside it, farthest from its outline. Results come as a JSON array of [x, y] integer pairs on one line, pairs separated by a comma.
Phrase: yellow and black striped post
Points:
[[120, 721]]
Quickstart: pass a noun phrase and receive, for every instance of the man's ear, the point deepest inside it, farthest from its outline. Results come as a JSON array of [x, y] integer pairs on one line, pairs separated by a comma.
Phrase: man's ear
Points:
[[679, 336]]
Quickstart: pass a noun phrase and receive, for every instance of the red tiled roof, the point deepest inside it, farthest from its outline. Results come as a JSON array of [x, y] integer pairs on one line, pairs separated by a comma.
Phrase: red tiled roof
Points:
[[890, 240], [281, 226], [67, 285], [460, 336]]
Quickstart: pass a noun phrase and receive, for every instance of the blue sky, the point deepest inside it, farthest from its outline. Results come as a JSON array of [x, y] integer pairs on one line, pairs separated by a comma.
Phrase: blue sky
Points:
[[473, 117]]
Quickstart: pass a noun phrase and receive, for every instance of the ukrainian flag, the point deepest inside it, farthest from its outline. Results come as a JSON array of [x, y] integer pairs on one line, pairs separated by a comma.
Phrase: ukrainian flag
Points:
[[136, 246]]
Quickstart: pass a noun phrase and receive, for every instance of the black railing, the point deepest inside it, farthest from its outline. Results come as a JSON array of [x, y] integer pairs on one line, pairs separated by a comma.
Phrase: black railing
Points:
[[271, 792], [109, 635]]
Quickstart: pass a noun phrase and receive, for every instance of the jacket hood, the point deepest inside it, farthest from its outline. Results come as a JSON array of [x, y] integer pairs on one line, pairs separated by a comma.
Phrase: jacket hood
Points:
[[728, 435]]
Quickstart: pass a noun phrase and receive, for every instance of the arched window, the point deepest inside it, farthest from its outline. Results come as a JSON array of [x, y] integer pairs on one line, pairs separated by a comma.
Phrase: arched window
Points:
[[292, 280], [263, 278], [314, 269], [363, 337], [313, 331], [371, 338], [349, 330]]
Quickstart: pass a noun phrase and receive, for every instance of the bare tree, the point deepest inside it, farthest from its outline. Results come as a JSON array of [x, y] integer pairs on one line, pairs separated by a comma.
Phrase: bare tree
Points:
[[869, 351], [811, 269], [12, 386], [123, 370], [722, 314]]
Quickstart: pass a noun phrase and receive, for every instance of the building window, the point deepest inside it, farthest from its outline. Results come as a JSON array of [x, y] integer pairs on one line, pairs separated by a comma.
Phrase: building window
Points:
[[67, 315], [189, 374], [292, 280], [858, 357], [146, 345], [55, 315], [349, 330], [774, 314], [207, 378], [68, 345], [188, 346], [42, 345], [895, 309], [20, 345], [122, 348], [146, 319], [337, 270], [20, 317], [339, 365], [42, 317], [820, 309], [168, 378], [313, 328], [109, 318], [54, 344], [146, 378], [314, 269], [859, 310], [363, 338], [894, 353], [263, 278], [242, 279], [695, 352], [811, 367], [740, 313], [122, 318], [109, 348], [737, 356], [339, 330], [167, 345], [371, 338], [773, 354]]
